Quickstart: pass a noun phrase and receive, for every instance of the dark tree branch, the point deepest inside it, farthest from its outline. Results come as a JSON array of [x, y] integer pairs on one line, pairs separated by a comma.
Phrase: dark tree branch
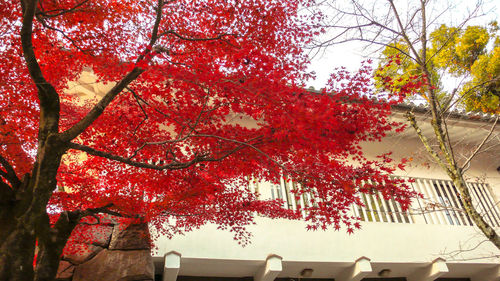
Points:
[[154, 32], [137, 99], [172, 32], [106, 210], [99, 108], [9, 173], [333, 41], [413, 122], [173, 165], [73, 42], [245, 144], [6, 192], [60, 11], [181, 136], [403, 33], [49, 99]]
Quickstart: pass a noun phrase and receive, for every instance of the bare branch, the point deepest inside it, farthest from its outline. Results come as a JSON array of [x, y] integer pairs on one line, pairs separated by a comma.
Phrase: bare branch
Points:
[[480, 145], [403, 32], [425, 141]]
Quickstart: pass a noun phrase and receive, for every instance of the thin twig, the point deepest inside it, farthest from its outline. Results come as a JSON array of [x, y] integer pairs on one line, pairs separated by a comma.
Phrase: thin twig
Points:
[[481, 144]]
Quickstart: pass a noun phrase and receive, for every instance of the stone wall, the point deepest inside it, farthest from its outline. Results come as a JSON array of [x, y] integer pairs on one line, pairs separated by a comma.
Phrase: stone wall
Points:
[[107, 251]]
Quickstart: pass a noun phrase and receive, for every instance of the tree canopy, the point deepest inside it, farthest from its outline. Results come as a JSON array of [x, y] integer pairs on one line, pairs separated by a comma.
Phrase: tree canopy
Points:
[[418, 55], [470, 53], [202, 96]]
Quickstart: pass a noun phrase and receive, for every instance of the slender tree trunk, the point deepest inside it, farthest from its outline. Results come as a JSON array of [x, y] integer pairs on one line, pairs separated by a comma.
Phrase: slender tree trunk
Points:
[[450, 166], [7, 205], [465, 196]]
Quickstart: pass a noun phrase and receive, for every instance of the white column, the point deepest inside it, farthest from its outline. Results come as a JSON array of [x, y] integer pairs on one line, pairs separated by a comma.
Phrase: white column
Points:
[[360, 269], [270, 270], [171, 266], [431, 272]]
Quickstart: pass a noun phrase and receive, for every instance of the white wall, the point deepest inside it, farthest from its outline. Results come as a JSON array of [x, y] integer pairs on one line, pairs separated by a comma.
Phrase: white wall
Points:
[[403, 247]]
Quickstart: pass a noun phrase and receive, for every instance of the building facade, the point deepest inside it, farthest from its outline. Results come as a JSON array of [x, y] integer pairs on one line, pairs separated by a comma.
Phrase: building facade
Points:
[[434, 240]]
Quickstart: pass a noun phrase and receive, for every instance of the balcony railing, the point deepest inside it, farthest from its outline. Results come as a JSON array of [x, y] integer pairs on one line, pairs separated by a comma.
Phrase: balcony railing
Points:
[[440, 203]]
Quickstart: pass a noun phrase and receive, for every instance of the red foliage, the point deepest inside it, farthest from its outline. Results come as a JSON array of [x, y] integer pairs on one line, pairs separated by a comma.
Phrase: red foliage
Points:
[[223, 82]]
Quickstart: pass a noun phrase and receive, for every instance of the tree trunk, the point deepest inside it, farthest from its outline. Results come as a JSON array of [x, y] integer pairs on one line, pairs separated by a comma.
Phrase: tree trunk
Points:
[[25, 221], [17, 235], [17, 247], [47, 262], [51, 246], [17, 252], [478, 220]]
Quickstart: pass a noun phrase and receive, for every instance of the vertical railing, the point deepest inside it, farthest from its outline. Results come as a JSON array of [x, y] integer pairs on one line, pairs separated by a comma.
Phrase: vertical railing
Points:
[[440, 202], [484, 202]]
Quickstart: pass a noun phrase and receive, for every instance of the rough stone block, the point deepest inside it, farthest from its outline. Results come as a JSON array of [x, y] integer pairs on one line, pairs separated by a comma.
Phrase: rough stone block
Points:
[[78, 253], [99, 235], [65, 271], [117, 266], [106, 219], [131, 237]]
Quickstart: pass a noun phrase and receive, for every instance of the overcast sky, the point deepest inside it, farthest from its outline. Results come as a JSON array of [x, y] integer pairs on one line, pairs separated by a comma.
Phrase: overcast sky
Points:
[[351, 54]]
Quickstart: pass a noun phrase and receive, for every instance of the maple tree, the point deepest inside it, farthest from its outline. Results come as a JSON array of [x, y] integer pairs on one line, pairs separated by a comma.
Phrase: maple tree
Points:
[[202, 95]]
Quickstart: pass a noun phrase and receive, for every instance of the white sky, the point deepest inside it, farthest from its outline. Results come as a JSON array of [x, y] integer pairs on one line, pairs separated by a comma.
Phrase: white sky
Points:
[[349, 55]]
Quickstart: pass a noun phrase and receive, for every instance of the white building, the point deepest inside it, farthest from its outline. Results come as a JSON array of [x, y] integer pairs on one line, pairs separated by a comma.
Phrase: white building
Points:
[[422, 244]]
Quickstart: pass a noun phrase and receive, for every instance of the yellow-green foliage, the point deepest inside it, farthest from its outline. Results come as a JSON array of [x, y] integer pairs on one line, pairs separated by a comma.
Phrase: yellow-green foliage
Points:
[[483, 90], [402, 68], [472, 53]]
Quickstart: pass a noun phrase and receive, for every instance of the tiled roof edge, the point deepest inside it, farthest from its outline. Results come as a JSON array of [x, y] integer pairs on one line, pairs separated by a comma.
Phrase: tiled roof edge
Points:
[[422, 109]]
